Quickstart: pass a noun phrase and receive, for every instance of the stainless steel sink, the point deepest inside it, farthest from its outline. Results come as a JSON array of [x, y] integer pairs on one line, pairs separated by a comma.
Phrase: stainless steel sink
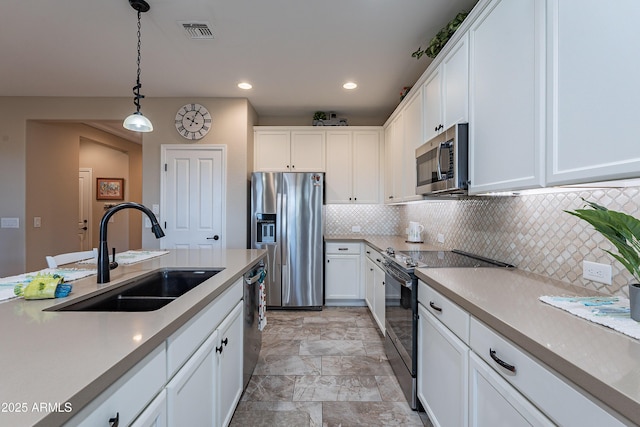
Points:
[[148, 292]]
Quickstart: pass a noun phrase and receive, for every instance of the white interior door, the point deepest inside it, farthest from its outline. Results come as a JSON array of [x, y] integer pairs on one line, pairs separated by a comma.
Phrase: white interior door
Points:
[[84, 208], [192, 209]]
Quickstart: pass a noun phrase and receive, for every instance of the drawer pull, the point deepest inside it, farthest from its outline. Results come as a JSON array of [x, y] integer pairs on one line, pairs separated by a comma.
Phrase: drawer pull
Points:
[[343, 249], [501, 362], [435, 307]]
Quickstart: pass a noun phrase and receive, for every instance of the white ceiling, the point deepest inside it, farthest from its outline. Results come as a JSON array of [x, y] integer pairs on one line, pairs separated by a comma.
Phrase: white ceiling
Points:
[[296, 53]]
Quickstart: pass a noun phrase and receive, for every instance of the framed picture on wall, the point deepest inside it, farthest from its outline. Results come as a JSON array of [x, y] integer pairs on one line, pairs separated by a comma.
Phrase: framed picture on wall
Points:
[[110, 189]]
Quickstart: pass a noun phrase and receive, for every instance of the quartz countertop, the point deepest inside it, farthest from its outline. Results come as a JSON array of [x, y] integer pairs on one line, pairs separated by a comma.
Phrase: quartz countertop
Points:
[[71, 357], [602, 361], [382, 242]]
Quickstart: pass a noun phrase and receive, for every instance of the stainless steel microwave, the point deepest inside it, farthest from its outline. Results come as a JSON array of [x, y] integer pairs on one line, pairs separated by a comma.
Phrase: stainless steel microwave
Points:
[[442, 163]]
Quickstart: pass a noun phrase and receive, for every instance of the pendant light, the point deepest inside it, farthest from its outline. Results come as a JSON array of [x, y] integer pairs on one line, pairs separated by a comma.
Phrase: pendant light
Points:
[[137, 122]]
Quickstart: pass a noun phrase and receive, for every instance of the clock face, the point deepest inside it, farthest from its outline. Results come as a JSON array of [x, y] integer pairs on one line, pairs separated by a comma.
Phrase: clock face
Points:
[[193, 121]]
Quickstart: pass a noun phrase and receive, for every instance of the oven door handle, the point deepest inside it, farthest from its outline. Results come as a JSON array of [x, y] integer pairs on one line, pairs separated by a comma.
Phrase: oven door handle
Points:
[[403, 279]]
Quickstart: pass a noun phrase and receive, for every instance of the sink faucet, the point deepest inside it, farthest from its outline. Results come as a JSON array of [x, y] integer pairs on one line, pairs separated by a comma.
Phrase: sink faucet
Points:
[[103, 248]]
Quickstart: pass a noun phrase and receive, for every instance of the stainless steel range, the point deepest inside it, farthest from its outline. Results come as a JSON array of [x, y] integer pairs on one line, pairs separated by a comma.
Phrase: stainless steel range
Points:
[[401, 306]]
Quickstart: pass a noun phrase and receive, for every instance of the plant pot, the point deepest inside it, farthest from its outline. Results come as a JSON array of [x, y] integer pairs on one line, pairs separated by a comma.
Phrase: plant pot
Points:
[[634, 301]]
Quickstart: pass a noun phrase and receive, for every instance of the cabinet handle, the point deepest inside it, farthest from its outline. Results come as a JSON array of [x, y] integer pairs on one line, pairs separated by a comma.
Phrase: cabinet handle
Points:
[[293, 166], [219, 349], [114, 422], [435, 129], [225, 341], [391, 197], [501, 362], [343, 249], [368, 252], [378, 260], [435, 307]]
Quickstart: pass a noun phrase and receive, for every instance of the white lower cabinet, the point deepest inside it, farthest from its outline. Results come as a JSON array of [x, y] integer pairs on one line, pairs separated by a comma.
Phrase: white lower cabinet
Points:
[[127, 397], [228, 357], [494, 403], [155, 415], [470, 375], [190, 394], [374, 285], [342, 274]]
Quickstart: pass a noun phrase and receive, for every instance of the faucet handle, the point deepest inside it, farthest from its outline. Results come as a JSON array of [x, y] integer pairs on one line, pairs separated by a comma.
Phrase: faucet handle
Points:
[[113, 264]]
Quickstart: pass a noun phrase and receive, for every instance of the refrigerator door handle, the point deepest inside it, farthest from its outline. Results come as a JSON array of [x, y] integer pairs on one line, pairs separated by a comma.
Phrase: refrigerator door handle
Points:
[[283, 231]]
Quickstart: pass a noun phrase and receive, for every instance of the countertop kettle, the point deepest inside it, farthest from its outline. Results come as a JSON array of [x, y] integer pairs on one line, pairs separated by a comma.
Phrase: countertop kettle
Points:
[[415, 232]]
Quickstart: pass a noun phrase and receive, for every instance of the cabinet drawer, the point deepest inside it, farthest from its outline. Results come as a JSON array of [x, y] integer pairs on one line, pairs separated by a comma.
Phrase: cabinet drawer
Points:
[[343, 248], [452, 316], [373, 255], [535, 381], [128, 396], [184, 342]]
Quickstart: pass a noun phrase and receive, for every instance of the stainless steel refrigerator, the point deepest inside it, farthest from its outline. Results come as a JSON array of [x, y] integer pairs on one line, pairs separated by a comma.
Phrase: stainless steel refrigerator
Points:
[[286, 219]]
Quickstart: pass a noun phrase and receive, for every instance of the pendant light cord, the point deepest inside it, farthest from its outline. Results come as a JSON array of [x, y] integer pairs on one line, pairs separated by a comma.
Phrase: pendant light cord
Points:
[[136, 88]]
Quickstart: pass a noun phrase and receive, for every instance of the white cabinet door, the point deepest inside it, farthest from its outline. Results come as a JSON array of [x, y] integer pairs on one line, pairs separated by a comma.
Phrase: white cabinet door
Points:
[[228, 355], [593, 119], [413, 138], [433, 105], [272, 151], [342, 278], [307, 151], [443, 365], [506, 97], [455, 84], [393, 140], [369, 283], [155, 415], [379, 298], [339, 177], [495, 403], [190, 394], [366, 167]]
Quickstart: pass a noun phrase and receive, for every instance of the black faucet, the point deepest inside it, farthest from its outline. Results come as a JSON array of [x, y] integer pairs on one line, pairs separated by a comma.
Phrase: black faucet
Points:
[[103, 248]]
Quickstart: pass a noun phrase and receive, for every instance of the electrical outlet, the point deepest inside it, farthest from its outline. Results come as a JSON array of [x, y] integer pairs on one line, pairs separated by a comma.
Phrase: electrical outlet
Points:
[[440, 238], [596, 272], [356, 229]]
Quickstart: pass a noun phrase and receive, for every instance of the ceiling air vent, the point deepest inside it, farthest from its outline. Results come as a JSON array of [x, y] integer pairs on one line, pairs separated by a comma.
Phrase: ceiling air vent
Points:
[[197, 30]]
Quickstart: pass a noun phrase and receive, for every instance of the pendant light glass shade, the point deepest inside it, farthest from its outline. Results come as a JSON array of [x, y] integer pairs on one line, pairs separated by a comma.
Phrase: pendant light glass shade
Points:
[[137, 123]]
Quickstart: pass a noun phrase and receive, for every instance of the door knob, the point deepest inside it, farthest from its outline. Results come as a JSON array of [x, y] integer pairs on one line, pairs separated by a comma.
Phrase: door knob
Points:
[[216, 237], [84, 228]]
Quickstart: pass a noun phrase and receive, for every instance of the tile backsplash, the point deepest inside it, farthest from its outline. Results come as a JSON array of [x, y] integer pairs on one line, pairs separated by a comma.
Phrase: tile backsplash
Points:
[[530, 231]]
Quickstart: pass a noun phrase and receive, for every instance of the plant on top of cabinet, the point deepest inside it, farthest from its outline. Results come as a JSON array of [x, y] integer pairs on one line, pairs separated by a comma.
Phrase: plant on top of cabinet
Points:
[[437, 43]]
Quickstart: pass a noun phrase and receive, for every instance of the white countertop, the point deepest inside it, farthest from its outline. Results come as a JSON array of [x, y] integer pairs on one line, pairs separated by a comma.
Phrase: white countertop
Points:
[[73, 356]]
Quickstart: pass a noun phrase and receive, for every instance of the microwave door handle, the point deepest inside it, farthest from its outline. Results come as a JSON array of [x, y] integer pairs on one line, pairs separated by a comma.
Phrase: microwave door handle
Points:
[[439, 167]]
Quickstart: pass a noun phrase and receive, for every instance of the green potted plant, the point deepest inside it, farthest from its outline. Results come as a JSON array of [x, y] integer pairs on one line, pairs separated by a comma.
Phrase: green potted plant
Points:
[[623, 231]]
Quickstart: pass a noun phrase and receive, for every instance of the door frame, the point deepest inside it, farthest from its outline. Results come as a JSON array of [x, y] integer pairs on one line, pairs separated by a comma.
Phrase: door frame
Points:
[[89, 231], [164, 148]]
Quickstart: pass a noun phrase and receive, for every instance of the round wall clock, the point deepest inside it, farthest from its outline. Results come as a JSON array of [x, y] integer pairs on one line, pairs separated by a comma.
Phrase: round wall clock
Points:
[[193, 121]]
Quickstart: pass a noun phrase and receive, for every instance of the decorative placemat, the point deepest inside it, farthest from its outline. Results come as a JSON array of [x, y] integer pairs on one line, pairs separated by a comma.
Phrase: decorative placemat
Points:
[[130, 257], [612, 312]]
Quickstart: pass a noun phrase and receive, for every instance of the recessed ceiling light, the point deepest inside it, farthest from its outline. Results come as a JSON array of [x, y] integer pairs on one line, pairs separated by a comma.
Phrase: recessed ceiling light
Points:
[[349, 85], [245, 85]]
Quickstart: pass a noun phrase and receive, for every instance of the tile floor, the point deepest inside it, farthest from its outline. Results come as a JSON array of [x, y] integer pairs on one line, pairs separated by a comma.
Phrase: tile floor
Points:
[[323, 368]]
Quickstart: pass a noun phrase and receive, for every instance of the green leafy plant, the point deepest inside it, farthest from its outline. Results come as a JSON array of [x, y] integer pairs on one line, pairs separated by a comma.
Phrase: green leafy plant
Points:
[[622, 230], [437, 43], [320, 115]]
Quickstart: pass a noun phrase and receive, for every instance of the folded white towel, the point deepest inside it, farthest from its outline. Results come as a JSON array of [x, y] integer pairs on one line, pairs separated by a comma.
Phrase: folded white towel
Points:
[[262, 303], [612, 312]]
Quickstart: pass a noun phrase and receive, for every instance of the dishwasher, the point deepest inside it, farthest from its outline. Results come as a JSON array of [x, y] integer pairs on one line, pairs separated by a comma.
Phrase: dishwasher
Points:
[[253, 321]]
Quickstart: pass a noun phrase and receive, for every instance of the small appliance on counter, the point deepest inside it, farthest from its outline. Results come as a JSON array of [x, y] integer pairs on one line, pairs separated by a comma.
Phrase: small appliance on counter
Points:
[[414, 233]]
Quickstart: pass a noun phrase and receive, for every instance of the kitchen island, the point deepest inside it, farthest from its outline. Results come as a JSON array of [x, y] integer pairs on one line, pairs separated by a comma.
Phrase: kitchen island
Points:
[[55, 363]]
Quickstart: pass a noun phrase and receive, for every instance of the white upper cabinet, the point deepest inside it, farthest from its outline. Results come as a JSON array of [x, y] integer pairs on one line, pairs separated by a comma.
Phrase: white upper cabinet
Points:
[[394, 149], [413, 138], [506, 97], [593, 91], [446, 91], [283, 150], [353, 166]]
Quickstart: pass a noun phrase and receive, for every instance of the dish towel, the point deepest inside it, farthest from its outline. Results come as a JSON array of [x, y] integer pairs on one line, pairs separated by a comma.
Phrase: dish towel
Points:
[[262, 303], [612, 312], [70, 274], [129, 257]]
